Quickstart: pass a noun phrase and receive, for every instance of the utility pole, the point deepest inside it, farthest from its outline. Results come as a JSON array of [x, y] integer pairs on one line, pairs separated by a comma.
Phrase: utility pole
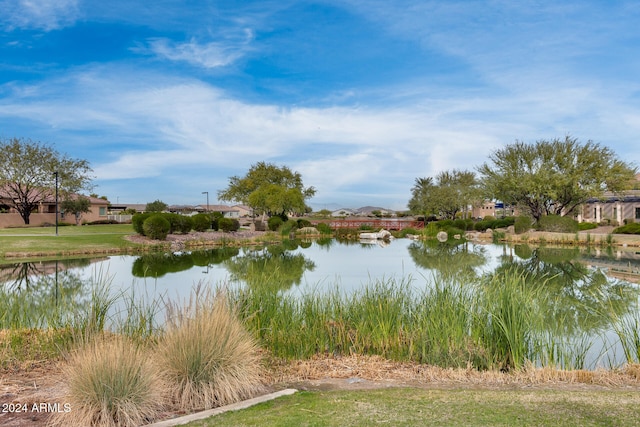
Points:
[[207, 193], [56, 174]]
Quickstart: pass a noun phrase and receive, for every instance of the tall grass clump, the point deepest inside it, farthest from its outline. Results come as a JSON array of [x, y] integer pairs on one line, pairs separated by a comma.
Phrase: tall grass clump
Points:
[[443, 318], [510, 320], [627, 329], [93, 318], [111, 382], [377, 318], [138, 316], [207, 356]]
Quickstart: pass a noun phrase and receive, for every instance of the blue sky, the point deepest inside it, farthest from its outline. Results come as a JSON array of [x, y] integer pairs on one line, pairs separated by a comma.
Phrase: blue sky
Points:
[[167, 99]]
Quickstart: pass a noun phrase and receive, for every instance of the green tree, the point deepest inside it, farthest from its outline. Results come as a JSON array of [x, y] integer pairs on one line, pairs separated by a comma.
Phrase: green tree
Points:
[[156, 206], [28, 174], [269, 190], [422, 197], [451, 192], [76, 205], [553, 177]]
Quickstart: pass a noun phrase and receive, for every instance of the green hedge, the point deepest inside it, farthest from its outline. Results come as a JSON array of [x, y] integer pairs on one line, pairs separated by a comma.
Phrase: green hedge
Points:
[[557, 224], [631, 228], [228, 224], [156, 227]]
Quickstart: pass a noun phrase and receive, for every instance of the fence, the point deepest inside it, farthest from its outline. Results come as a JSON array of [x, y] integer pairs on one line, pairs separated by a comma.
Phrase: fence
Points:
[[387, 224], [120, 218]]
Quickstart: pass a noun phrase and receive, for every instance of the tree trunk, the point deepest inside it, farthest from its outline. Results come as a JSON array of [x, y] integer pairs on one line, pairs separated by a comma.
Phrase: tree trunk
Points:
[[25, 217]]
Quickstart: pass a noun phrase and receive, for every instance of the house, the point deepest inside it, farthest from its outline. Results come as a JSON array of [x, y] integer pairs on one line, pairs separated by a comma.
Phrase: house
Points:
[[45, 213], [612, 209], [487, 208], [244, 211]]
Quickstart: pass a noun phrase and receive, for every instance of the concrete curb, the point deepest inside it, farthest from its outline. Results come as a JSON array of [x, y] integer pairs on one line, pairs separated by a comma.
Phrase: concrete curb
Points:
[[233, 407]]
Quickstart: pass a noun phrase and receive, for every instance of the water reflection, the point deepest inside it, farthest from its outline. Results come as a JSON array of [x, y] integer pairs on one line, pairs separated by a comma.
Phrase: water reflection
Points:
[[42, 294], [449, 259], [577, 297], [25, 275], [274, 266], [159, 264]]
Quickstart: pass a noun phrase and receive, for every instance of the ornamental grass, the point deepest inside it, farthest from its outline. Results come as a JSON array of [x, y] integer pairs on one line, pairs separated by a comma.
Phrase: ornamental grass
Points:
[[111, 382], [207, 356]]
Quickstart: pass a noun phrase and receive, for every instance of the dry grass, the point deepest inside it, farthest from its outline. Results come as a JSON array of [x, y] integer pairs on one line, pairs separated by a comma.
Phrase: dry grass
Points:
[[111, 382], [375, 368], [207, 356]]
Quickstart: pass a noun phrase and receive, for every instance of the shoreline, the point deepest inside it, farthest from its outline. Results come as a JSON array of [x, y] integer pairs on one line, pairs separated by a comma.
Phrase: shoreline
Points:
[[599, 238]]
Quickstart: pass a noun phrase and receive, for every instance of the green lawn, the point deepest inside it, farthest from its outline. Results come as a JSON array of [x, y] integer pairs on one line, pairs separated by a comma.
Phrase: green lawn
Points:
[[420, 407], [42, 240]]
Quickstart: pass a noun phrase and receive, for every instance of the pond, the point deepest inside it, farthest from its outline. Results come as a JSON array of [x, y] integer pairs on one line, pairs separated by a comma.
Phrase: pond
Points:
[[582, 283]]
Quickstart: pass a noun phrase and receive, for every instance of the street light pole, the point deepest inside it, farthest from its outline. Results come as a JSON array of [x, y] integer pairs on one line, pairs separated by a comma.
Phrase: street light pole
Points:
[[56, 174], [207, 193]]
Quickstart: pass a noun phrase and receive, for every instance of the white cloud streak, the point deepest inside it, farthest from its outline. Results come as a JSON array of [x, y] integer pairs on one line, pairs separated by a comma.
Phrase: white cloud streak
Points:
[[44, 15], [206, 55]]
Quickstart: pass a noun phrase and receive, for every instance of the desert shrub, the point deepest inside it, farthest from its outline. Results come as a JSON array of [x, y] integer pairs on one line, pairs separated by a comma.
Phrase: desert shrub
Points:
[[302, 223], [288, 227], [445, 223], [228, 224], [181, 224], [274, 223], [631, 228], [463, 224], [208, 357], [587, 226], [111, 382], [138, 220], [522, 224], [175, 222], [489, 218], [503, 222], [557, 224], [324, 228], [482, 225], [156, 227], [202, 222]]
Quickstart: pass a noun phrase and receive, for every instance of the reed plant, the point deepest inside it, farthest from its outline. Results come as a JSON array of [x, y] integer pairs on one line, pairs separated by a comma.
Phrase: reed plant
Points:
[[111, 382], [510, 319], [566, 353], [443, 319], [496, 322], [138, 318], [208, 357], [627, 329]]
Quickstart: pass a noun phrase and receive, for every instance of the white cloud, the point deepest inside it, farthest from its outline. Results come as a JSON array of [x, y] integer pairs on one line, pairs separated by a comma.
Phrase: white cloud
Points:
[[45, 15], [184, 127], [206, 55]]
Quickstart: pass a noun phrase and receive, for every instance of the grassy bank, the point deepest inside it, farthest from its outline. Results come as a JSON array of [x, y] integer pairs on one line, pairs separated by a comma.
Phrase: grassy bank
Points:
[[31, 242], [451, 407]]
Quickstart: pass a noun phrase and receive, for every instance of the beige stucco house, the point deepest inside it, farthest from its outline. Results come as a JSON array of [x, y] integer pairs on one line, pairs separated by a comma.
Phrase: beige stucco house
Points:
[[45, 213]]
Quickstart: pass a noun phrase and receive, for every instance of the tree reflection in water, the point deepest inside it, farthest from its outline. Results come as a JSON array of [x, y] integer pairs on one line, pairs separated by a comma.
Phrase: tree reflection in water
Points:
[[449, 260], [159, 264], [41, 294], [275, 267], [576, 299]]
